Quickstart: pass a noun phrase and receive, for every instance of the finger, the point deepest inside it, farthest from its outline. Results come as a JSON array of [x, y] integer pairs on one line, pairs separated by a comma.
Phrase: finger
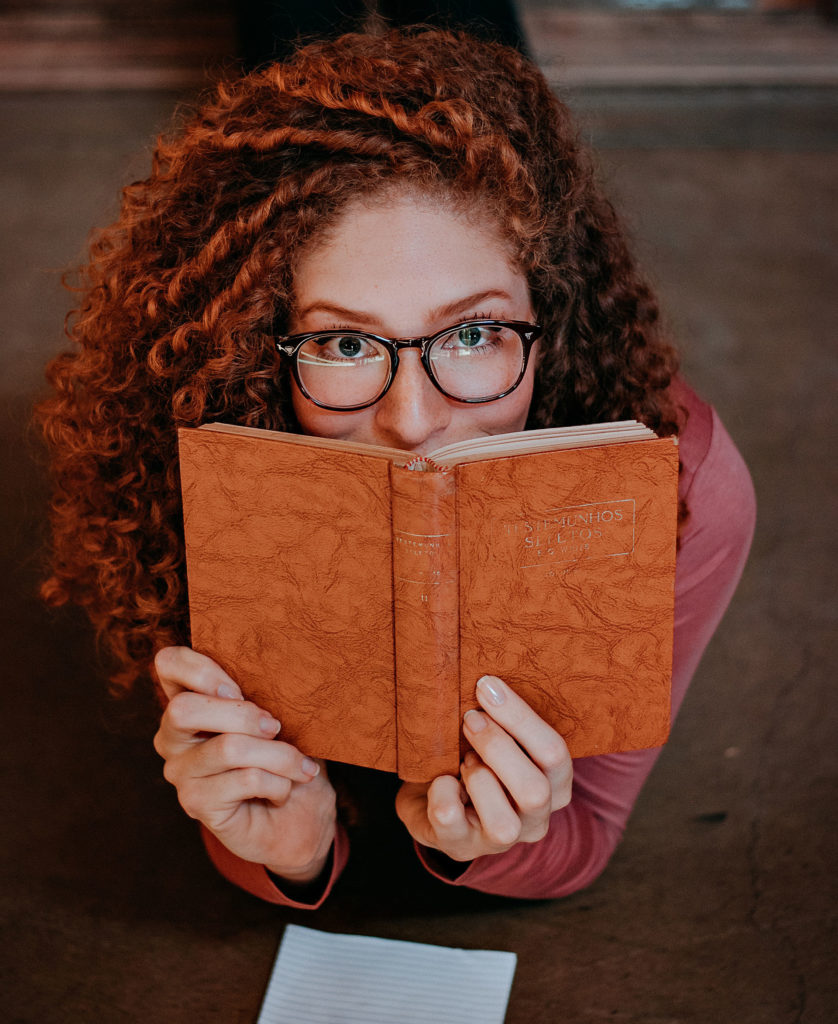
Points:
[[231, 751], [213, 799], [412, 807], [543, 744], [412, 810], [446, 812], [499, 822], [190, 716], [181, 668], [528, 786]]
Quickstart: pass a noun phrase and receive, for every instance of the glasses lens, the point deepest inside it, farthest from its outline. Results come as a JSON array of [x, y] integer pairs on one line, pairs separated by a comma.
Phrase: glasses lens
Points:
[[343, 370], [477, 361]]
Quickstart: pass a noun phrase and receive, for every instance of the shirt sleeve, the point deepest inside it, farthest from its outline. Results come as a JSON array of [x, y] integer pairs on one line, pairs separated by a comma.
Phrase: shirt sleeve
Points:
[[255, 878], [714, 547]]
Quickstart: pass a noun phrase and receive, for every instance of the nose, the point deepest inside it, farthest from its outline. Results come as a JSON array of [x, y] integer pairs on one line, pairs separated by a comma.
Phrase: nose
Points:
[[412, 413]]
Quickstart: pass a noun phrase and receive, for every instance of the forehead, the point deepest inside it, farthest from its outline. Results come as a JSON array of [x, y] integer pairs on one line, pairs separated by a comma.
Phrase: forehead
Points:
[[405, 252]]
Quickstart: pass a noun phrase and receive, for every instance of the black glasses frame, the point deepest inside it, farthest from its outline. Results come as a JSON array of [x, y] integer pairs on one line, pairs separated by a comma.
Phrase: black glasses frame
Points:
[[290, 345]]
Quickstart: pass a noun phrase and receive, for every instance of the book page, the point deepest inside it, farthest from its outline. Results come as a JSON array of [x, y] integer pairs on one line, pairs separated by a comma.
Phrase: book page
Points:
[[323, 978], [529, 442], [521, 442]]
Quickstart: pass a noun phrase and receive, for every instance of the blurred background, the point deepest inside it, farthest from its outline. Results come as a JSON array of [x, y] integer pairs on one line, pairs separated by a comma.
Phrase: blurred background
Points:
[[717, 131]]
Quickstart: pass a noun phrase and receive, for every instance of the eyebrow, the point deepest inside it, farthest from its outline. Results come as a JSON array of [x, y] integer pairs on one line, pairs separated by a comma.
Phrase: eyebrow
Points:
[[450, 309]]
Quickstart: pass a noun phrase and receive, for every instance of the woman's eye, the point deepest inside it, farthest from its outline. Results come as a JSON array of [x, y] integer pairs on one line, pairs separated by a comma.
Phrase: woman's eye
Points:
[[470, 336], [349, 347]]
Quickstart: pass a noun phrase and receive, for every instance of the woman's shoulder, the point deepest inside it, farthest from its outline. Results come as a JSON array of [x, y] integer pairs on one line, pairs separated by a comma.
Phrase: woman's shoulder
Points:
[[696, 432], [715, 483], [706, 449]]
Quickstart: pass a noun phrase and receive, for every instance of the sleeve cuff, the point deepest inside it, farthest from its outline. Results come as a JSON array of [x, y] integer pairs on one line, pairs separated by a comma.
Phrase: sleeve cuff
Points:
[[257, 880], [441, 866]]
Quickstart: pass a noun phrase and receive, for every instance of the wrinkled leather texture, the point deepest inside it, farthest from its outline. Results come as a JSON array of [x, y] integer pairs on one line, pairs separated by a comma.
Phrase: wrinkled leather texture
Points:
[[290, 585], [583, 634], [294, 568], [427, 627]]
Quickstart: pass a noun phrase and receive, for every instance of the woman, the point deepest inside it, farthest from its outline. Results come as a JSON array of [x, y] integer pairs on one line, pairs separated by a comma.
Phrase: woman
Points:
[[403, 186]]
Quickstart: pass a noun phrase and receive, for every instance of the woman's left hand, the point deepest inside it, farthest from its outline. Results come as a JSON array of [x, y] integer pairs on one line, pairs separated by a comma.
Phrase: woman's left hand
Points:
[[518, 773]]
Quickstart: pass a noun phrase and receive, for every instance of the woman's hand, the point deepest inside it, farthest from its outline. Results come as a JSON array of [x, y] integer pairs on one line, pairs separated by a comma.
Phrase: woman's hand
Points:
[[518, 774], [262, 798]]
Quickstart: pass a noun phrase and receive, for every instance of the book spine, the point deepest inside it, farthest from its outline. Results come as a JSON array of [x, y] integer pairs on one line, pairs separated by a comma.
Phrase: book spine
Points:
[[426, 622]]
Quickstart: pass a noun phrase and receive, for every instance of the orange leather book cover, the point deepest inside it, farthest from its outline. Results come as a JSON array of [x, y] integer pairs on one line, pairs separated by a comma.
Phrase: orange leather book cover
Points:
[[426, 622], [567, 585], [324, 580], [288, 555]]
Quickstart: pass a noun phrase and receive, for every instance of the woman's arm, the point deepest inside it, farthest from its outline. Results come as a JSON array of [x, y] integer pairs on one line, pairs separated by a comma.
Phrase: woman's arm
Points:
[[583, 835]]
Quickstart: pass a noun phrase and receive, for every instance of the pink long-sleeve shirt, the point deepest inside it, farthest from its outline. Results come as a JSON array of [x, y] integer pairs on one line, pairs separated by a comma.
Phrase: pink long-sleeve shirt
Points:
[[582, 836]]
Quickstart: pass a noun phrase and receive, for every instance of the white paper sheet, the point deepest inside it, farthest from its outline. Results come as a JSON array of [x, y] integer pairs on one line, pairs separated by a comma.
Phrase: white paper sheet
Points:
[[322, 978]]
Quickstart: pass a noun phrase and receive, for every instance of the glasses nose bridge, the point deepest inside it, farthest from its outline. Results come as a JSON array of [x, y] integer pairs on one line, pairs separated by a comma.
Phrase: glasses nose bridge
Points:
[[399, 345]]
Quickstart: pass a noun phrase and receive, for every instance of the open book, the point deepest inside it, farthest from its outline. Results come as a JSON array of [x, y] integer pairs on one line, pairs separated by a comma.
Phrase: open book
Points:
[[358, 593]]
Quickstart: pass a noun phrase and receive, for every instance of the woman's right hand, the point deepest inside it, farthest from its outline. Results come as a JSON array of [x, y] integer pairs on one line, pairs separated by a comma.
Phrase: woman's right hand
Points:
[[262, 798]]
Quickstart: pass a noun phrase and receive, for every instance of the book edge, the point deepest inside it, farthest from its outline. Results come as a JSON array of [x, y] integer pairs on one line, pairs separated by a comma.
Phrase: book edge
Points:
[[462, 452]]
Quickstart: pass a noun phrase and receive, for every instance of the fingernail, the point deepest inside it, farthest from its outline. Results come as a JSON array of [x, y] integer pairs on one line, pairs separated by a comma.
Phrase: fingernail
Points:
[[228, 692], [269, 726], [310, 767], [492, 689], [470, 760], [474, 721]]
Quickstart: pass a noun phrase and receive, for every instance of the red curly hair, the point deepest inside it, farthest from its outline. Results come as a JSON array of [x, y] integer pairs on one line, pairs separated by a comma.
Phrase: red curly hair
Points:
[[184, 294]]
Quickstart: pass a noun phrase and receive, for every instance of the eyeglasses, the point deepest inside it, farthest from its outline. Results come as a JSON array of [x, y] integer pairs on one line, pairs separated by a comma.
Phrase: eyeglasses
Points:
[[473, 361]]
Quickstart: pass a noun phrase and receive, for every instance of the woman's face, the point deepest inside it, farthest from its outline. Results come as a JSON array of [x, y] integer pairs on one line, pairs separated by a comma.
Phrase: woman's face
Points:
[[407, 268]]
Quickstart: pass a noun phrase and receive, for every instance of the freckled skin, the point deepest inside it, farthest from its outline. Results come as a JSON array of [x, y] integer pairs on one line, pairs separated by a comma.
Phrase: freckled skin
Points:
[[404, 270]]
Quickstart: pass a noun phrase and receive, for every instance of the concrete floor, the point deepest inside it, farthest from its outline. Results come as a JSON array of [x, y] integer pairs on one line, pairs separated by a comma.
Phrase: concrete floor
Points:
[[720, 905]]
